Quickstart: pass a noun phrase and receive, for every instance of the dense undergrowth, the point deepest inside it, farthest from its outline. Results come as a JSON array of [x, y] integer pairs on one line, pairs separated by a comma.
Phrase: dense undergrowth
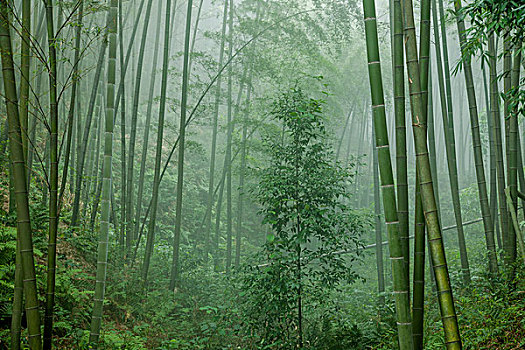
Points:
[[209, 310]]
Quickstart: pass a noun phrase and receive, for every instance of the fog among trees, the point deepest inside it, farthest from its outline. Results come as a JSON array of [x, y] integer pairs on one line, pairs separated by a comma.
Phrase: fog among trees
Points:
[[262, 174]]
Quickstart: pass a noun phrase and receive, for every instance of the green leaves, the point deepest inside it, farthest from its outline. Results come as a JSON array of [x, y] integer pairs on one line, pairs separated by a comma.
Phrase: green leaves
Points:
[[303, 197]]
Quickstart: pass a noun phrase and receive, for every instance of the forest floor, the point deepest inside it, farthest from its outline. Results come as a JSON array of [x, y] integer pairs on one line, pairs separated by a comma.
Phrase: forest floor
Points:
[[491, 314]]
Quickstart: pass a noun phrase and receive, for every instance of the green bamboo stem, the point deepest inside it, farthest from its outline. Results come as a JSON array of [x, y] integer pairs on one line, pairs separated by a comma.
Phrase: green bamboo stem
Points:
[[449, 133], [160, 132], [25, 63], [511, 121], [514, 217], [492, 157], [400, 286], [401, 147], [24, 235], [496, 118], [131, 229], [18, 301], [478, 153], [147, 124], [214, 133], [419, 230], [242, 172], [378, 232], [102, 250], [72, 103], [81, 144], [509, 237], [229, 214], [445, 297], [123, 199], [175, 267], [53, 179]]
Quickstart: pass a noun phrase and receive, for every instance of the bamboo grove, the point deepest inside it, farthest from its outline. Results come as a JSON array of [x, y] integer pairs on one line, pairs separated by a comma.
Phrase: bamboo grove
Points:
[[220, 174]]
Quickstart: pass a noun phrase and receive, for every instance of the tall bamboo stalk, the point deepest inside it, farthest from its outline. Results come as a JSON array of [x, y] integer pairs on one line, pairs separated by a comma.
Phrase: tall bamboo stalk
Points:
[[478, 154], [160, 132], [401, 286], [123, 168], [511, 122], [242, 172], [25, 63], [214, 133], [53, 178], [24, 235], [175, 268], [445, 297], [448, 131], [496, 118], [401, 147], [145, 140], [229, 215], [378, 232], [102, 251], [492, 156], [81, 145], [72, 103], [130, 230]]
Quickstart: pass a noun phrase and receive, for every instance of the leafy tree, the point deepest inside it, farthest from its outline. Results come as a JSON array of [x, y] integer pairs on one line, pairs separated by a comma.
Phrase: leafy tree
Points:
[[304, 199]]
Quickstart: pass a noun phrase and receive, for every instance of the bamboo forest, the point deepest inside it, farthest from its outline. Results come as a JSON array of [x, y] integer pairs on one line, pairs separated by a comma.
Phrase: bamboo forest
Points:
[[262, 174]]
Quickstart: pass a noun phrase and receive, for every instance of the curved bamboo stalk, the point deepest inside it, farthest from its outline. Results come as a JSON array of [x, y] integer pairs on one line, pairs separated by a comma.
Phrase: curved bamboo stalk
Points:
[[445, 297]]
